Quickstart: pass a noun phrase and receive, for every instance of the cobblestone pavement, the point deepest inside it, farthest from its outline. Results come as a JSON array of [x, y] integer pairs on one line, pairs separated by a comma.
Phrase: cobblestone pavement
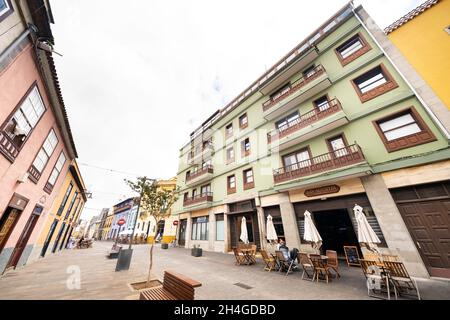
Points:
[[48, 278]]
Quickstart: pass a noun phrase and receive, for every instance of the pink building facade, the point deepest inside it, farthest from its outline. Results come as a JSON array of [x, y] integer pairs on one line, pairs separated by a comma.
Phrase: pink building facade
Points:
[[36, 145]]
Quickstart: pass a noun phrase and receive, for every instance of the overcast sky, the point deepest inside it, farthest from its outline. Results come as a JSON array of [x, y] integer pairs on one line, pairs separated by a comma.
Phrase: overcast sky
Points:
[[138, 76]]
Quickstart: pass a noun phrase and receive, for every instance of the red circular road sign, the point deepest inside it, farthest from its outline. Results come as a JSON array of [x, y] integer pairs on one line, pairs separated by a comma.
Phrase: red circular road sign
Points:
[[121, 222], [175, 223]]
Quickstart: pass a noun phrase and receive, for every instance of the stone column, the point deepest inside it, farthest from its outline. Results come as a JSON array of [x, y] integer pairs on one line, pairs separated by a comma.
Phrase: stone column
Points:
[[211, 230], [188, 231], [226, 228], [262, 227], [391, 222], [289, 220]]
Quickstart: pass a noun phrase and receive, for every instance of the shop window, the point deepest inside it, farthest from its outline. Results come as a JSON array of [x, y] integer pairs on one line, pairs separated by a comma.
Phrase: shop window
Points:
[[200, 228], [220, 227]]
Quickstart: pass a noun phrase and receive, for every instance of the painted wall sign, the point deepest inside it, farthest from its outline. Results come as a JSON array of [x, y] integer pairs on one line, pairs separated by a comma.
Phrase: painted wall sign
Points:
[[18, 202], [322, 190]]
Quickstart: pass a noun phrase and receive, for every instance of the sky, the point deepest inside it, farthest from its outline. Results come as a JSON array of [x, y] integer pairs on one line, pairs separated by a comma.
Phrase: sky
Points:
[[139, 76]]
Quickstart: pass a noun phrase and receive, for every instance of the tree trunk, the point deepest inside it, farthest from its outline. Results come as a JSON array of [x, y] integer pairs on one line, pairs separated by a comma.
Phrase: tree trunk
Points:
[[151, 265]]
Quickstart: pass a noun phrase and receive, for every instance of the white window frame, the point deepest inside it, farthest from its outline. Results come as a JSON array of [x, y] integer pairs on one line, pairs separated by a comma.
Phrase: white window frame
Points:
[[46, 151]]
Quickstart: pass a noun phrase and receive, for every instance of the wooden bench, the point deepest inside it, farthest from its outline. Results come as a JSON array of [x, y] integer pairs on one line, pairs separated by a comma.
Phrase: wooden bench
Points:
[[175, 287]]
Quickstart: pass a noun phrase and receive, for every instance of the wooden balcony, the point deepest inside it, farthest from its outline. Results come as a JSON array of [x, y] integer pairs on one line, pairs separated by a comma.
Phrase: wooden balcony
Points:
[[201, 175], [35, 175], [201, 198], [304, 120], [329, 161], [48, 188], [197, 157], [293, 88], [7, 147]]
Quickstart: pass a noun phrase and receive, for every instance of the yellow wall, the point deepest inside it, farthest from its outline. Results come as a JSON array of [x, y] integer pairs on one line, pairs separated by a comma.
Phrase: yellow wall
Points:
[[77, 207], [426, 46]]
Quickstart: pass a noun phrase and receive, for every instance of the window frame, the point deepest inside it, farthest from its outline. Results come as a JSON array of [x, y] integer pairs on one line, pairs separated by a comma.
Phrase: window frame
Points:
[[11, 115], [32, 167], [64, 200], [241, 125], [231, 190], [422, 137], [244, 152], [355, 55], [229, 134], [195, 234], [8, 11], [303, 149], [330, 147], [230, 160], [389, 85], [49, 186], [248, 185]]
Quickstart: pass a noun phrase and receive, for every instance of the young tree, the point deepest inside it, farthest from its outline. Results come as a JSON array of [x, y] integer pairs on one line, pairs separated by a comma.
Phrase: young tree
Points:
[[155, 202]]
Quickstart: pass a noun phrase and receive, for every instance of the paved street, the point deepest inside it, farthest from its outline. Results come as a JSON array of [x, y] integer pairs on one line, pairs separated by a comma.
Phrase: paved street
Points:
[[47, 278]]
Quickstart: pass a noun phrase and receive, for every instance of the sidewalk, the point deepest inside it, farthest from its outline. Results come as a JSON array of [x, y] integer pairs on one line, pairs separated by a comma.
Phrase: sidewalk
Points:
[[47, 278]]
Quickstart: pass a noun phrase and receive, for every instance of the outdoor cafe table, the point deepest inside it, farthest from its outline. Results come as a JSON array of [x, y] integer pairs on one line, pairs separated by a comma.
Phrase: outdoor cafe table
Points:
[[248, 254]]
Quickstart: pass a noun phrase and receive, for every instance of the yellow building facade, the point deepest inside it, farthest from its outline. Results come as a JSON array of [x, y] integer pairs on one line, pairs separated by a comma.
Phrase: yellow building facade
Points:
[[107, 226], [63, 217], [146, 226], [423, 37]]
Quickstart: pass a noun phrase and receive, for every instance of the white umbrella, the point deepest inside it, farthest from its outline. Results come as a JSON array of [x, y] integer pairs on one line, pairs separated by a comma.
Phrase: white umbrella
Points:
[[366, 234], [244, 233], [311, 233], [271, 232], [126, 232]]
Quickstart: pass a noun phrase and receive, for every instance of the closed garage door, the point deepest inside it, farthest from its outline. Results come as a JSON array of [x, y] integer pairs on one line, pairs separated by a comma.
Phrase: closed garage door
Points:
[[426, 212]]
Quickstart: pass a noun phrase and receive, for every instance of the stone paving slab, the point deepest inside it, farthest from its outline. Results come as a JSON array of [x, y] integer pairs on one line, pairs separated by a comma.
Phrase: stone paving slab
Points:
[[47, 278]]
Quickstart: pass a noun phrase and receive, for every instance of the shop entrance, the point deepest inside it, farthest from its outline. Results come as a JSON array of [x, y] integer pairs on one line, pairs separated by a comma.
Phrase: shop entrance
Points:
[[182, 237], [336, 230]]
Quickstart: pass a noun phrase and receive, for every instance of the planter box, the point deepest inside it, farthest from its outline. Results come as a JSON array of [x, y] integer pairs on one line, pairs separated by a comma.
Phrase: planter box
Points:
[[138, 286], [196, 252], [164, 246]]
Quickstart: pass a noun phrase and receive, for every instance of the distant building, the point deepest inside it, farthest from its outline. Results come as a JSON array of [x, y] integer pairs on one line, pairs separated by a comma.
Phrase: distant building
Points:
[[122, 210]]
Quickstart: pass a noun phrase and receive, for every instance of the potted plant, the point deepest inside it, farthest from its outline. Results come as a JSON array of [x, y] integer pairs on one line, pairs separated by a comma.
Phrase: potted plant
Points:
[[196, 251]]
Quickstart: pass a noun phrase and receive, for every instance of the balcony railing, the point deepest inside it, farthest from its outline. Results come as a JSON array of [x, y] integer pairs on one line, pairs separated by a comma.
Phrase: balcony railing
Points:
[[7, 147], [304, 120], [294, 87], [199, 173], [339, 158], [204, 149], [35, 175], [204, 197], [48, 188]]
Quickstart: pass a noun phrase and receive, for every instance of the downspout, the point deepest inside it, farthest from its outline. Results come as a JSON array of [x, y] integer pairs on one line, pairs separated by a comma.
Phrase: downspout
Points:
[[427, 108]]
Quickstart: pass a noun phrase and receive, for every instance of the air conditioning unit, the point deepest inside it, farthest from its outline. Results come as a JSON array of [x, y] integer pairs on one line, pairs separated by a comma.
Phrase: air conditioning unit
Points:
[[23, 178]]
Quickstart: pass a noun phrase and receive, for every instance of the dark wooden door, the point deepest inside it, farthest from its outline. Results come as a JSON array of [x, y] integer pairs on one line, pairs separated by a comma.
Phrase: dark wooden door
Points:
[[182, 238], [252, 229], [23, 240], [7, 224], [49, 237], [58, 237], [429, 225]]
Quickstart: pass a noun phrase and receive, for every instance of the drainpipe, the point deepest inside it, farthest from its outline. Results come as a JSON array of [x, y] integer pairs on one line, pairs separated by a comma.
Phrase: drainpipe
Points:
[[427, 108]]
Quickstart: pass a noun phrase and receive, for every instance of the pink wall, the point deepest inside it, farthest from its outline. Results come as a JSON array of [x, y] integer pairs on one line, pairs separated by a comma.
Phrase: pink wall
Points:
[[15, 81]]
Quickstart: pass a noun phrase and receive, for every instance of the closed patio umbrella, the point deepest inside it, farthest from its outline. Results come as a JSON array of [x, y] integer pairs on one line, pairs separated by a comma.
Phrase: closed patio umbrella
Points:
[[366, 235], [271, 232], [311, 233], [244, 232]]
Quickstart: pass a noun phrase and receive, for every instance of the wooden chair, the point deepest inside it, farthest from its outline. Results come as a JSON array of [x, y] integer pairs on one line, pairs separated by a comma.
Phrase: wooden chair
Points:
[[284, 264], [269, 261], [175, 287], [333, 262], [253, 248], [374, 273], [403, 283], [240, 259], [320, 267], [306, 264]]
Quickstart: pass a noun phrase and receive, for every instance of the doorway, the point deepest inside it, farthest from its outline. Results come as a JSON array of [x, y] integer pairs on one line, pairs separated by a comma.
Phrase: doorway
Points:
[[252, 229], [182, 237], [7, 223], [336, 229]]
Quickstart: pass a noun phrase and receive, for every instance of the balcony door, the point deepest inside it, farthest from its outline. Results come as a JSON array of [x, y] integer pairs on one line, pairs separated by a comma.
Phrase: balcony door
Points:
[[205, 190], [298, 159], [338, 146]]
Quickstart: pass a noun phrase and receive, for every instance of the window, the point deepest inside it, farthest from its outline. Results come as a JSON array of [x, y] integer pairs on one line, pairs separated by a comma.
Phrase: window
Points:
[[351, 49], [231, 184], [194, 193], [25, 118], [64, 201], [56, 171], [230, 155], [229, 130], [245, 147], [373, 83], [280, 91], [200, 228], [288, 121], [298, 159], [205, 190], [220, 227], [308, 72], [5, 9], [322, 103], [338, 145], [243, 121], [403, 130], [43, 155], [71, 205], [206, 163], [248, 179]]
